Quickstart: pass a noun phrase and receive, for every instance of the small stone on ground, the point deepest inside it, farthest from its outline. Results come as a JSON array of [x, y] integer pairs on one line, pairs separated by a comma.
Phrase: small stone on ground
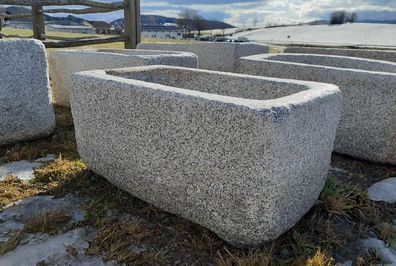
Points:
[[384, 191]]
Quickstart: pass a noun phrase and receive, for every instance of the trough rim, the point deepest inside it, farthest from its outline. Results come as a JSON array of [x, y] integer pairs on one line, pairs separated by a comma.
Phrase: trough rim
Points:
[[267, 58], [314, 91]]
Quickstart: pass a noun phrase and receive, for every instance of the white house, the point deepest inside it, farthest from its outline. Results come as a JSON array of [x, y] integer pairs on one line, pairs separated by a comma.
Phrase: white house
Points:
[[161, 32], [71, 29]]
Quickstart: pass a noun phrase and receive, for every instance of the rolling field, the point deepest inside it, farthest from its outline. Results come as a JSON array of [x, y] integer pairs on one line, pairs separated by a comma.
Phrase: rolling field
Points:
[[363, 34]]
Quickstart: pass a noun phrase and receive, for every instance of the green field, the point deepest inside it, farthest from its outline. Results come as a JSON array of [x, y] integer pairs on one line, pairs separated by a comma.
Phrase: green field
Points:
[[28, 33]]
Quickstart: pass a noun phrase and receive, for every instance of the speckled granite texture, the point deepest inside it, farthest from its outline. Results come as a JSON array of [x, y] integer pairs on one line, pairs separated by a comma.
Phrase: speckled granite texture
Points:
[[64, 63], [368, 121], [241, 155], [386, 55], [26, 111], [213, 55]]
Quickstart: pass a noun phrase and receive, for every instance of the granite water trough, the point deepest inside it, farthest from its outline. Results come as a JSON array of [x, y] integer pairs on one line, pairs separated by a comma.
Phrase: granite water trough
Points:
[[368, 87], [64, 63], [241, 155]]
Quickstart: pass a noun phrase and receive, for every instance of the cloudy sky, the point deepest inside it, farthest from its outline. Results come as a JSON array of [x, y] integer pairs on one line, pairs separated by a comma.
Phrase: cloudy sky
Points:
[[246, 12]]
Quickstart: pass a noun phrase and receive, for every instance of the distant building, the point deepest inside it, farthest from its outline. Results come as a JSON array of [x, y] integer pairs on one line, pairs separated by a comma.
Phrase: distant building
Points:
[[19, 24], [161, 32], [71, 29], [102, 27]]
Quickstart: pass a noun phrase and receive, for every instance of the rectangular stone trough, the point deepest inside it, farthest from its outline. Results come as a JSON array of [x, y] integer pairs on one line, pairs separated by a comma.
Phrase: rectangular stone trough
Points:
[[241, 155], [213, 55], [368, 121], [64, 63], [26, 111], [385, 55]]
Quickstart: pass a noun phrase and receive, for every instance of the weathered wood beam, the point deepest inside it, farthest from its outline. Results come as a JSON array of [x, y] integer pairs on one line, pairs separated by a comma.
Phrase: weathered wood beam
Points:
[[82, 11], [59, 38], [132, 23], [75, 43], [15, 16], [62, 3], [38, 22]]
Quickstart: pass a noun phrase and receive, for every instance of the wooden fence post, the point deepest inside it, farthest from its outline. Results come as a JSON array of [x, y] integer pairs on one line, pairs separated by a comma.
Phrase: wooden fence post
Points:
[[38, 22], [132, 23]]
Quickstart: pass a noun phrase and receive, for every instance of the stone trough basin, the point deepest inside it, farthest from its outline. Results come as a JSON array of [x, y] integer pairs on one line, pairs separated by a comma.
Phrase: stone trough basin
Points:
[[368, 121], [219, 56], [64, 63], [241, 155]]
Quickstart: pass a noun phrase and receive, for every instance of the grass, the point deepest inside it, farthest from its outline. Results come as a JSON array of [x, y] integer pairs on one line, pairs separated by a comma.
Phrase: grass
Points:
[[57, 170], [13, 189], [49, 222], [386, 233], [11, 243], [320, 259]]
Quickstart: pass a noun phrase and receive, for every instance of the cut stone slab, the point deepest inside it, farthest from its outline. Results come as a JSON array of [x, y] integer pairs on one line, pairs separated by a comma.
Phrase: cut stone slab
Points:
[[64, 63], [213, 55], [385, 55], [384, 191], [244, 156], [26, 111], [23, 169], [368, 121]]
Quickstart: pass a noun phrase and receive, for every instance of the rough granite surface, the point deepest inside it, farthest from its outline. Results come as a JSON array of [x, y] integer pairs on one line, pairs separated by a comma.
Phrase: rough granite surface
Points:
[[368, 121], [212, 55], [385, 55], [64, 63], [241, 155], [26, 111]]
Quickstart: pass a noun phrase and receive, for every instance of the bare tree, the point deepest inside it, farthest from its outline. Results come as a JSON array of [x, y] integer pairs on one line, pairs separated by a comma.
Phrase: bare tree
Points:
[[199, 23], [189, 20], [341, 17], [338, 17], [184, 20], [352, 17], [255, 21]]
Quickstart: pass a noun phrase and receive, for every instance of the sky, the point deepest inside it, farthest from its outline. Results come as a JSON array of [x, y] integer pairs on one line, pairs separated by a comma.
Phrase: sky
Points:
[[247, 13]]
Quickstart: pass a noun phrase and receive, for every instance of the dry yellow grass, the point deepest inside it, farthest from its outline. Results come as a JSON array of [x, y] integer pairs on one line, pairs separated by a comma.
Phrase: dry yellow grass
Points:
[[320, 259], [57, 170], [115, 238], [262, 257], [13, 189], [47, 222]]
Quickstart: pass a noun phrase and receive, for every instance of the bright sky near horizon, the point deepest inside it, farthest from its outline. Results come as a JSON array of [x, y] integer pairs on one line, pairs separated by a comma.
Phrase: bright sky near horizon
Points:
[[246, 12]]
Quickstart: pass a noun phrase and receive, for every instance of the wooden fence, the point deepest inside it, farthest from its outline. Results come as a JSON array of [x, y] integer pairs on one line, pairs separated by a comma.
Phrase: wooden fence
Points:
[[131, 35]]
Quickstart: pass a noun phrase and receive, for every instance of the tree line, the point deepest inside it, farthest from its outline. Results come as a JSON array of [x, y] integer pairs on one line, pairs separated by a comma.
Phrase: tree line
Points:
[[341, 17]]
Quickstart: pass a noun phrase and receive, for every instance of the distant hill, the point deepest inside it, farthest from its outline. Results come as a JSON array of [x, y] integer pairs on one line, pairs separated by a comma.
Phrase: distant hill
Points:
[[151, 20], [377, 21]]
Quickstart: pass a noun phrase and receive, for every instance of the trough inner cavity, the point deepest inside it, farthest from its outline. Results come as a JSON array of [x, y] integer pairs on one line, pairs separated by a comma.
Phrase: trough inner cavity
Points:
[[336, 61], [232, 85]]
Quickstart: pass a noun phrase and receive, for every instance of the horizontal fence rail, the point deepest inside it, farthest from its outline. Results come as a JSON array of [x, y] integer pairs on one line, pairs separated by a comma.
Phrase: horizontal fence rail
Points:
[[131, 36]]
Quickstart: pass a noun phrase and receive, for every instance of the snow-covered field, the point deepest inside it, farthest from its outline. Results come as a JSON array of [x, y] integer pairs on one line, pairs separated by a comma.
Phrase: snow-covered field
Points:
[[364, 34]]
